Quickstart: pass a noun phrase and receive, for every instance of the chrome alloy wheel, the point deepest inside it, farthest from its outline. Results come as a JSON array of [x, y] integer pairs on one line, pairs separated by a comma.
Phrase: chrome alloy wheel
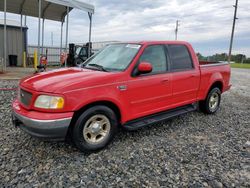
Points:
[[214, 101], [96, 129]]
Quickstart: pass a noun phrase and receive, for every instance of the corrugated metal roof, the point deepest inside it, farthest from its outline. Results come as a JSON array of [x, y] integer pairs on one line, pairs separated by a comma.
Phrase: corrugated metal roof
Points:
[[75, 4], [51, 9]]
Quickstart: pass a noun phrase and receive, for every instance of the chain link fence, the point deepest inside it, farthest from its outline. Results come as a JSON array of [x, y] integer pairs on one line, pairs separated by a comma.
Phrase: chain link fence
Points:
[[53, 54]]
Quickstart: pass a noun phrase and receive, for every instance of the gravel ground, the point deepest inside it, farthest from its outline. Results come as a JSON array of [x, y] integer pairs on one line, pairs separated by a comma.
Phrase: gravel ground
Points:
[[193, 150]]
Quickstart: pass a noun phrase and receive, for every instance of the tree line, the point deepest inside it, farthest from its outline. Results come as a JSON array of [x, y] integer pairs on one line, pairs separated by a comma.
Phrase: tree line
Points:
[[238, 58]]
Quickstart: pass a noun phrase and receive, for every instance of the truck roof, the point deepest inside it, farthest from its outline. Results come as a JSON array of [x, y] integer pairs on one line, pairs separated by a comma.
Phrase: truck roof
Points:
[[157, 42]]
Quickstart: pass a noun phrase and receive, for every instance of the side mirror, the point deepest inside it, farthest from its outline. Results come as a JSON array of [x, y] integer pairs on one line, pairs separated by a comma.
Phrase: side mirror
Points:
[[145, 67]]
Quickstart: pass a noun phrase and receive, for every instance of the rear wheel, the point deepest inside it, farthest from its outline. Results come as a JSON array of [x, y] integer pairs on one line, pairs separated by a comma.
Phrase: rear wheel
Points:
[[95, 128], [211, 104]]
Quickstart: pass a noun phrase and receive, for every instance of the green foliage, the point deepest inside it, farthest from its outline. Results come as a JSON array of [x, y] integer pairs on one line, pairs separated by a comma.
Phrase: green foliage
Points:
[[238, 58], [201, 57], [247, 61], [240, 65]]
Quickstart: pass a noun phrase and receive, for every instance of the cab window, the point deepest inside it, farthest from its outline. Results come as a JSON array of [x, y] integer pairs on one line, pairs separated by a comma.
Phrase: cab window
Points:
[[180, 57], [155, 55], [83, 52]]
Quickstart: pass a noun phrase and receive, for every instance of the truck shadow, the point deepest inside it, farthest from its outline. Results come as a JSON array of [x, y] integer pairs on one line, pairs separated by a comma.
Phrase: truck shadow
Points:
[[123, 137]]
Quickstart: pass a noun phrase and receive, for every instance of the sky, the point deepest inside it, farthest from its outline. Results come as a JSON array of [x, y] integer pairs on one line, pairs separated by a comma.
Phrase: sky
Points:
[[205, 24]]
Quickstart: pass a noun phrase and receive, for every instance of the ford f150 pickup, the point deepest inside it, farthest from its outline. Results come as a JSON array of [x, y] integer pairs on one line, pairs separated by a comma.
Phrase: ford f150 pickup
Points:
[[125, 84]]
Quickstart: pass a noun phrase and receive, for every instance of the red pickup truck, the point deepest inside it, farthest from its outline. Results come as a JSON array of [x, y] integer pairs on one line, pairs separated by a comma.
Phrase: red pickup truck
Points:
[[126, 84]]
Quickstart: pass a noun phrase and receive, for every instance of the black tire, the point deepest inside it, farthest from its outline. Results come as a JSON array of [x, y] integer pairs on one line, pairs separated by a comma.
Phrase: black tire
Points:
[[80, 139], [205, 105]]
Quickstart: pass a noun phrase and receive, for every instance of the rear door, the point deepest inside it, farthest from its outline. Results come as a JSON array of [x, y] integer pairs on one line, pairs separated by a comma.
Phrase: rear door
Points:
[[151, 93], [185, 78]]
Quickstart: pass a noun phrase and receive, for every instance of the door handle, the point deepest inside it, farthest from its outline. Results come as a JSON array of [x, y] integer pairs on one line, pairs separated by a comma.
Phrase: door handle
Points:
[[192, 75], [164, 80]]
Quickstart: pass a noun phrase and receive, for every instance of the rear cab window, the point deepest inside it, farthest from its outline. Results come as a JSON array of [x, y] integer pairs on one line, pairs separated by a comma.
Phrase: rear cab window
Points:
[[180, 57]]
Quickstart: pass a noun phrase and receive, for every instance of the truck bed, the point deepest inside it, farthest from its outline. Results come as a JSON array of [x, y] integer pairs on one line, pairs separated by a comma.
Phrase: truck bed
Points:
[[212, 63], [219, 70]]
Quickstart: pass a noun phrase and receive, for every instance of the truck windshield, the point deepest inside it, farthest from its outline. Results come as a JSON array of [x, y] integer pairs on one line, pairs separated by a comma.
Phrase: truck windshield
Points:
[[114, 57]]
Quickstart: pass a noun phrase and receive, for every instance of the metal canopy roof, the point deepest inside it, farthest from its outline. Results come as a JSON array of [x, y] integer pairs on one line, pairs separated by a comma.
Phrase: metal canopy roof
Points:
[[55, 10], [51, 9]]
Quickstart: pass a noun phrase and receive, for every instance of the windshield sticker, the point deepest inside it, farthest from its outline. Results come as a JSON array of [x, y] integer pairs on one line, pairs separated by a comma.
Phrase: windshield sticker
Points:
[[136, 46]]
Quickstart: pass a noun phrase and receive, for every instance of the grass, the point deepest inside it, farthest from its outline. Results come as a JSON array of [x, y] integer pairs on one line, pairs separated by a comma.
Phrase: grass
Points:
[[239, 65]]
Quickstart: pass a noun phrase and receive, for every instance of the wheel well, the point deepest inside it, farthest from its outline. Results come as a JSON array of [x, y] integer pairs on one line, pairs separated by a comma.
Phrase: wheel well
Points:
[[217, 84], [104, 103]]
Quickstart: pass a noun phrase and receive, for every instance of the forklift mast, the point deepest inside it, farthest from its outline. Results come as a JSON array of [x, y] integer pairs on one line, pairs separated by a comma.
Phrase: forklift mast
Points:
[[78, 53]]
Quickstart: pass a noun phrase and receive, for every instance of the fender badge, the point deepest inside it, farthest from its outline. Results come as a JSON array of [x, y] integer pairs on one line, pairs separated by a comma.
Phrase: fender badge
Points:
[[122, 87]]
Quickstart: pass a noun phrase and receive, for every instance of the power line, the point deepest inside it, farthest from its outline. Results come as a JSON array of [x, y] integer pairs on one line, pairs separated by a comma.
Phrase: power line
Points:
[[232, 34]]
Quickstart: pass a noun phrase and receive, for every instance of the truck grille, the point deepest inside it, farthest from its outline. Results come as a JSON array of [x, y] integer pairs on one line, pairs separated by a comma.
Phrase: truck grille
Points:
[[25, 97]]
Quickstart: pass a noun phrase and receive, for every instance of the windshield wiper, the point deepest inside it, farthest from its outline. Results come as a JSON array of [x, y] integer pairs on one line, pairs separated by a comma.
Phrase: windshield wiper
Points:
[[99, 67]]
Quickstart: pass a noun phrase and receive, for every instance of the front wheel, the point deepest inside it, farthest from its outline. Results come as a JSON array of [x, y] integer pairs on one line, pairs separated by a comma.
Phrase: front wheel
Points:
[[211, 104], [95, 128]]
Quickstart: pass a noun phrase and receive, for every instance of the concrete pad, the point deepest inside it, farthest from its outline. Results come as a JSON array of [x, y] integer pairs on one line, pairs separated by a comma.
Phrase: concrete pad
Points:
[[17, 73]]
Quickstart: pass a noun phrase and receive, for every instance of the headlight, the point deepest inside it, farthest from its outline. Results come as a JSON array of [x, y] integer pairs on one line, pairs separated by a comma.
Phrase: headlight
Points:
[[49, 102]]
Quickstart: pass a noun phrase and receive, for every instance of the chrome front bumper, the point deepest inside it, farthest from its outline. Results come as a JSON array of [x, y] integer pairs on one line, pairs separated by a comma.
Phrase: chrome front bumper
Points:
[[48, 129]]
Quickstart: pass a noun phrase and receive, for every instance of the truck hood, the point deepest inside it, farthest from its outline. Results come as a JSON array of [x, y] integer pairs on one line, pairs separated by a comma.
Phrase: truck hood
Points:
[[63, 80]]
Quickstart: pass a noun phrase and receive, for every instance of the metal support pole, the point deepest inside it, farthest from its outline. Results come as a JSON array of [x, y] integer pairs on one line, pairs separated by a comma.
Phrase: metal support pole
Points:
[[52, 39], [21, 28], [25, 37], [67, 31], [176, 29], [5, 38], [39, 28], [25, 20], [90, 29], [232, 34], [42, 35], [61, 37]]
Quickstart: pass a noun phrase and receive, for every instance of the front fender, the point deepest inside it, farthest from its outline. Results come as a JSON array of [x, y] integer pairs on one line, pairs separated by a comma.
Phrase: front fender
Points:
[[82, 98]]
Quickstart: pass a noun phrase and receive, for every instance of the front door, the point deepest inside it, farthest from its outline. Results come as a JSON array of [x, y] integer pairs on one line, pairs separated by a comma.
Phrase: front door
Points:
[[150, 93]]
